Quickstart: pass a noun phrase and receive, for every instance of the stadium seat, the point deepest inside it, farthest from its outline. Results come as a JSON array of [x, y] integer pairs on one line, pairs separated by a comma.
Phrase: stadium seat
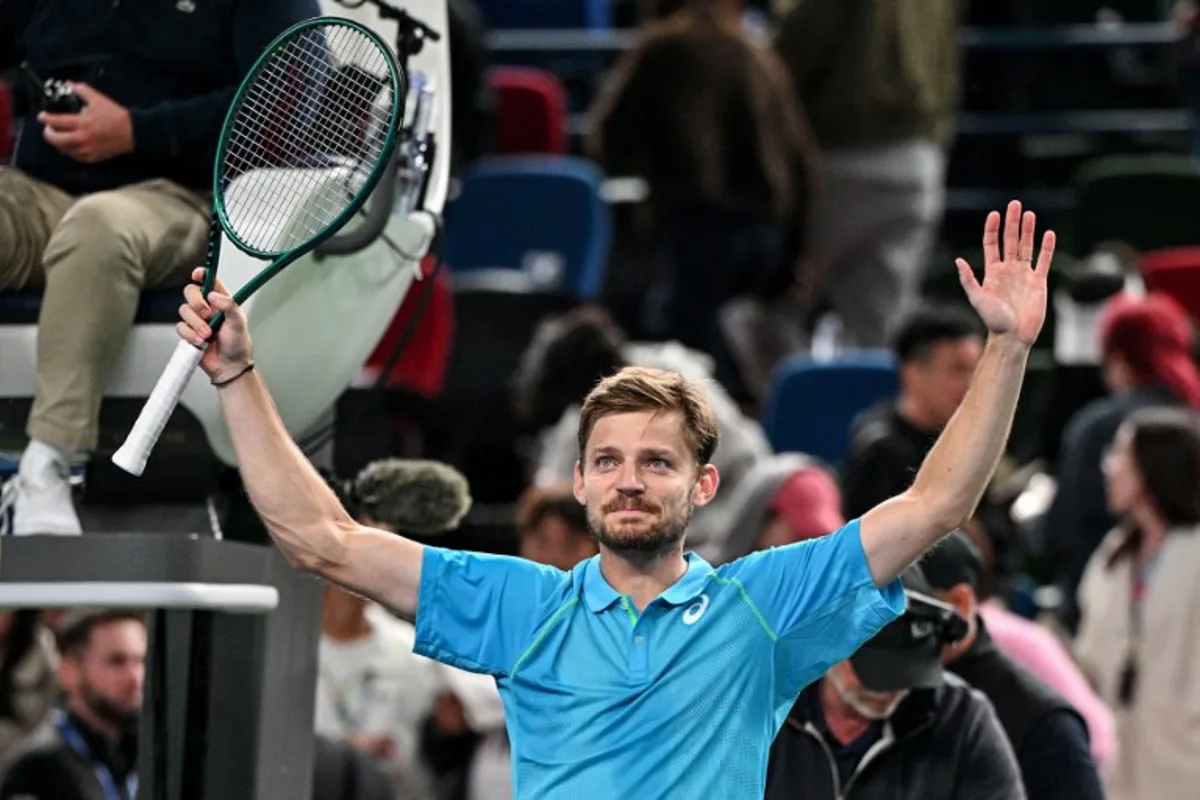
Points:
[[6, 123], [1174, 272], [531, 111], [810, 403], [542, 216], [421, 367], [1136, 200]]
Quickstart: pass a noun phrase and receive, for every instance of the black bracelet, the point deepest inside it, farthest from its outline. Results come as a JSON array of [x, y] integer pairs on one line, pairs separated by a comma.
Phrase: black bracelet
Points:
[[228, 381]]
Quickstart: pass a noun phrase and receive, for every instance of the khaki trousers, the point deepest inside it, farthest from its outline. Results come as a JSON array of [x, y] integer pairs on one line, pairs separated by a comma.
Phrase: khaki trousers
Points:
[[92, 255]]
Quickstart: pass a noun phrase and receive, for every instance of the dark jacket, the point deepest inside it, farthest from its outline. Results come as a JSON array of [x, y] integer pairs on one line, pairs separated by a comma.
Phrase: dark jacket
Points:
[[62, 769], [1047, 734], [886, 450], [940, 744], [175, 64], [885, 453], [1078, 518]]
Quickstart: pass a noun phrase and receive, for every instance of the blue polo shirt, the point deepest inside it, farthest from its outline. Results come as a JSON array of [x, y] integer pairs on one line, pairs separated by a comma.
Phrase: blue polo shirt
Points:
[[682, 700]]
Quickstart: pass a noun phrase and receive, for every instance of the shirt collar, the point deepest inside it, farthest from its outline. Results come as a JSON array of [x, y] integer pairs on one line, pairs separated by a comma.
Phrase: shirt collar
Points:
[[599, 595]]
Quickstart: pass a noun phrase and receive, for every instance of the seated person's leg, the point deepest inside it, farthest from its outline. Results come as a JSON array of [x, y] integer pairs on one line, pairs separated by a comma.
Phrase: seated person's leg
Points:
[[107, 248], [29, 211]]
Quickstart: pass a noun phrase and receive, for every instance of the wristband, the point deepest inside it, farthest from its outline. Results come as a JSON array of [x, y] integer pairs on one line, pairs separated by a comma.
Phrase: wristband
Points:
[[230, 380]]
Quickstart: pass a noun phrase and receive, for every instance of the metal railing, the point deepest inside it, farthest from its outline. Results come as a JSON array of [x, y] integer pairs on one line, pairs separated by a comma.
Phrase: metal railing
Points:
[[1025, 38]]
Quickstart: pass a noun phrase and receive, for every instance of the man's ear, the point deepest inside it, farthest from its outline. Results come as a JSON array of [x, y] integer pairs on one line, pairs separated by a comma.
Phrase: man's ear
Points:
[[962, 597], [577, 487], [706, 486], [68, 673]]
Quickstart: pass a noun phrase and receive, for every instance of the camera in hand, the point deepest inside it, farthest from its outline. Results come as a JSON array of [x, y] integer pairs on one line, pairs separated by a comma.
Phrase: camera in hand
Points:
[[57, 98]]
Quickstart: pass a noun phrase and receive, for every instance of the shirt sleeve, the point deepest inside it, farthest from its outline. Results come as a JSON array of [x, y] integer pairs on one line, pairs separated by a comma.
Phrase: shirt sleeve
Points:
[[480, 612], [819, 600]]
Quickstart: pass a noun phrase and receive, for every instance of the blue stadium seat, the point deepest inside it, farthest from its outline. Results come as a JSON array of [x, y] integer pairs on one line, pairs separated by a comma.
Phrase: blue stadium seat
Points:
[[542, 216], [810, 404]]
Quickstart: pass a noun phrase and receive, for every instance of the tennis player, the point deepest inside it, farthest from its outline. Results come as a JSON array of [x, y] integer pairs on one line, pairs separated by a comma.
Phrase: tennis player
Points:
[[644, 672]]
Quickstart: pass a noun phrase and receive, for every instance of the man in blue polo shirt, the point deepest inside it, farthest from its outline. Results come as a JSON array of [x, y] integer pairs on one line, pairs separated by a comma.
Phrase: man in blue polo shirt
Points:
[[645, 672]]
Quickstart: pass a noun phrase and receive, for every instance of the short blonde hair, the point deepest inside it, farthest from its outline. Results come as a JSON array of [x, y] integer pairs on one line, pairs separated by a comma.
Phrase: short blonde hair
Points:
[[635, 389]]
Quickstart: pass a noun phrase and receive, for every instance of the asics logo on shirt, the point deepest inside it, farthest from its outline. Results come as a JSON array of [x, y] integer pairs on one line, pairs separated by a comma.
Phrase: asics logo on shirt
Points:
[[695, 611]]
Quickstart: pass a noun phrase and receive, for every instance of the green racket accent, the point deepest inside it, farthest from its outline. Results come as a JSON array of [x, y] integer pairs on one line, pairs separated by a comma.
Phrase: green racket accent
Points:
[[303, 105]]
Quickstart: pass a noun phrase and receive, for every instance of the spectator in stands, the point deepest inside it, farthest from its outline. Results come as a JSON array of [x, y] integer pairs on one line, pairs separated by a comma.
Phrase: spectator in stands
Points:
[[879, 80], [936, 349], [103, 203], [1139, 635], [372, 691], [28, 684], [707, 118], [343, 772], [552, 527], [91, 751], [1047, 733], [1146, 359], [784, 498], [893, 724], [563, 362]]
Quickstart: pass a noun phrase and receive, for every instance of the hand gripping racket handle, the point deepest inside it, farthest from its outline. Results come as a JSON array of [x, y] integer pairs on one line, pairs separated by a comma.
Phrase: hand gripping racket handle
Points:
[[133, 454]]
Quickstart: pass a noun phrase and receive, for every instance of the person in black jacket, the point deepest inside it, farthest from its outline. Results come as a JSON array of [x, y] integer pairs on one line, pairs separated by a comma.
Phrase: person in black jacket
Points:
[[937, 348], [1047, 734], [889, 724], [90, 751], [107, 196]]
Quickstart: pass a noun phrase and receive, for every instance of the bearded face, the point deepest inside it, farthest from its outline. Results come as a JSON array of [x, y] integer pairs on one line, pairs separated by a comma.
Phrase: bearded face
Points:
[[641, 484], [632, 523]]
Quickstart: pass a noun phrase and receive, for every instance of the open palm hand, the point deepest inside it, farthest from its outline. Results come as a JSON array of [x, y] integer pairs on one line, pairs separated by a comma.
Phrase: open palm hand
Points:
[[1011, 301]]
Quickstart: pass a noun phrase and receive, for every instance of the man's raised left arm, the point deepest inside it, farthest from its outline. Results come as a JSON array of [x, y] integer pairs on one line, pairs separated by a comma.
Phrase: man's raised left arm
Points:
[[1012, 303]]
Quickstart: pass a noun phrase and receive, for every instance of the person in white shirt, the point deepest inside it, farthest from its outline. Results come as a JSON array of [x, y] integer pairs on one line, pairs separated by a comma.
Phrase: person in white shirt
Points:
[[372, 690]]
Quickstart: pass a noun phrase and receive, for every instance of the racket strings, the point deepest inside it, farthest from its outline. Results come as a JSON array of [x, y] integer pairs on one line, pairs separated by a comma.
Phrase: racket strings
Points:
[[306, 134]]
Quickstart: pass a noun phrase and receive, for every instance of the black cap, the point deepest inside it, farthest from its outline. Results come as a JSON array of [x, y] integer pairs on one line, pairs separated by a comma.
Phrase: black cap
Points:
[[952, 561], [906, 653]]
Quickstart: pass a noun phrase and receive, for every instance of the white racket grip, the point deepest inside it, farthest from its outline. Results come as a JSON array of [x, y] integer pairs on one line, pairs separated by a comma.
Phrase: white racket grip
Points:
[[133, 454]]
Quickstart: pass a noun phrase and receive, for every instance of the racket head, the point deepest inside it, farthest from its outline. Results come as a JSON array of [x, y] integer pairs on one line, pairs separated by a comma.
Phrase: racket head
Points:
[[326, 94]]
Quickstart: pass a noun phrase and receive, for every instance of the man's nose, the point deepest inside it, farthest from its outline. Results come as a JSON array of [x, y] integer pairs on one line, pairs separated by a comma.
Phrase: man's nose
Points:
[[629, 481]]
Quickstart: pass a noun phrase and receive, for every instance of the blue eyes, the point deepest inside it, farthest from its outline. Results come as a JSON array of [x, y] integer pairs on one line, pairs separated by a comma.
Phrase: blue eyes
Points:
[[657, 464]]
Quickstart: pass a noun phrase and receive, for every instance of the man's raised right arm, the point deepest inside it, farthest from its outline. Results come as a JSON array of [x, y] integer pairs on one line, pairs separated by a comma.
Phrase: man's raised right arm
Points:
[[300, 511]]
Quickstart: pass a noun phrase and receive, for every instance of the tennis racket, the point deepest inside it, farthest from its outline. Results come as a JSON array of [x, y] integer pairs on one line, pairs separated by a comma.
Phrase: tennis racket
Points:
[[307, 137]]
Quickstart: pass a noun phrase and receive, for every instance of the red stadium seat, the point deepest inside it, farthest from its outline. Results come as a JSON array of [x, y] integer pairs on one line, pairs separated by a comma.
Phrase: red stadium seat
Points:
[[6, 123], [422, 367], [531, 111], [1176, 273]]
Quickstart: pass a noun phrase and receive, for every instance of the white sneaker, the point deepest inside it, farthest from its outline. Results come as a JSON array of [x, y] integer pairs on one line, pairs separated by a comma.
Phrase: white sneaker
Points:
[[43, 501]]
